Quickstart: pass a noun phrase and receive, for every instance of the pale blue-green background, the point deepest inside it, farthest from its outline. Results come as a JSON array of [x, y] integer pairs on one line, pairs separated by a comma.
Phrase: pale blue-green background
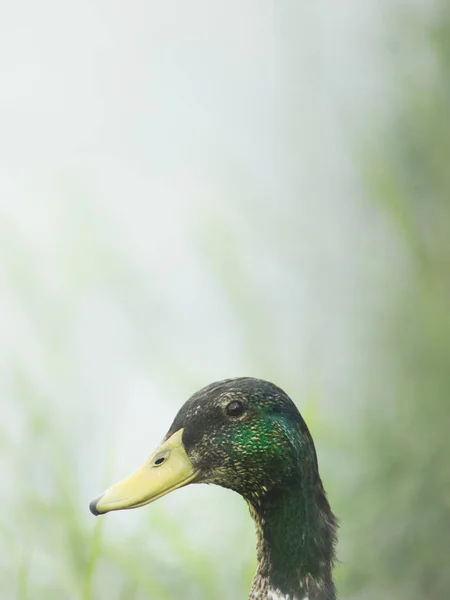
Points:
[[191, 191]]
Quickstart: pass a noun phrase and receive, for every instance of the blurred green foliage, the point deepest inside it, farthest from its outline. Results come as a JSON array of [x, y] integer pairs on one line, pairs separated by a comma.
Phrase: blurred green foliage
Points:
[[399, 518], [395, 511]]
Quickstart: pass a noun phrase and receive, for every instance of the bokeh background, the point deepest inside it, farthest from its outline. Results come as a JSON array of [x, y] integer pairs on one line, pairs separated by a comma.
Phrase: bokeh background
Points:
[[191, 191]]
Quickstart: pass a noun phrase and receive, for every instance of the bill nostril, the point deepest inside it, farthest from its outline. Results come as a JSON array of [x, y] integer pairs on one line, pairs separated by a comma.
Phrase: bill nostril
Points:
[[161, 457]]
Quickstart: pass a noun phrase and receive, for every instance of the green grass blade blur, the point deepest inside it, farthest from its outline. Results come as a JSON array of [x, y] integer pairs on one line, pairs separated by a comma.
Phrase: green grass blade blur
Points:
[[191, 192]]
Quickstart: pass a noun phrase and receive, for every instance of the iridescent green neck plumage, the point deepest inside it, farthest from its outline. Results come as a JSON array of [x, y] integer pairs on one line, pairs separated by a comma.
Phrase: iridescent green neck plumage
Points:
[[296, 532], [295, 545]]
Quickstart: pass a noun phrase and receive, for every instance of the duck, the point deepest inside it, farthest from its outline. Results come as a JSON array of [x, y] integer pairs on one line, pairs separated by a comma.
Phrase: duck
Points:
[[247, 435]]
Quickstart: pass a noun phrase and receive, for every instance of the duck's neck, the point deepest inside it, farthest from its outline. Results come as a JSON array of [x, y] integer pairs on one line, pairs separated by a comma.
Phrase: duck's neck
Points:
[[295, 545]]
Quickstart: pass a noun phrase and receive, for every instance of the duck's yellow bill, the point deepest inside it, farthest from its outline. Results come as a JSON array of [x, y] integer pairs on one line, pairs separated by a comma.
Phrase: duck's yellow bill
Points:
[[167, 469]]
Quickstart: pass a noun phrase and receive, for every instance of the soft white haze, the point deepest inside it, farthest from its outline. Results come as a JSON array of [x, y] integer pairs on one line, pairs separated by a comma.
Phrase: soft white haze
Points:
[[179, 204]]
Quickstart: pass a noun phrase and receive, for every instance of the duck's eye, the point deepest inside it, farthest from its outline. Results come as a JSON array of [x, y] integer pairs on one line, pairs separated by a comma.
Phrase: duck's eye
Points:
[[235, 408]]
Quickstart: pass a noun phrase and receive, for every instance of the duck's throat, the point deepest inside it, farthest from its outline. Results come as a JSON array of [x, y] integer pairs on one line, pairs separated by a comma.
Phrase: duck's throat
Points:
[[295, 545]]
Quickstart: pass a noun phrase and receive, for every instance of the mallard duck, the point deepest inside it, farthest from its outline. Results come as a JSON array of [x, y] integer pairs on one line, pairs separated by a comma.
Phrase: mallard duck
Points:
[[247, 435]]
